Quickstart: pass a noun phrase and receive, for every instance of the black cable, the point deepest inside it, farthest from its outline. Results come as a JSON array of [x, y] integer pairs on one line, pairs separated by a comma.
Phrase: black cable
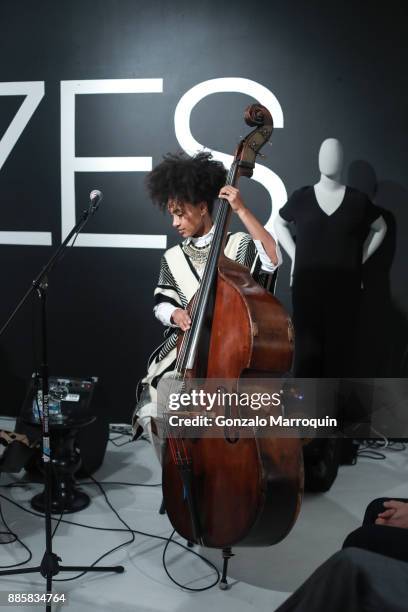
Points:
[[22, 483], [17, 483], [129, 529], [371, 454], [369, 450], [121, 429], [397, 450], [113, 440], [168, 540], [12, 536], [9, 533], [183, 586], [126, 484], [377, 443], [59, 520], [37, 514], [124, 430], [374, 449], [15, 539]]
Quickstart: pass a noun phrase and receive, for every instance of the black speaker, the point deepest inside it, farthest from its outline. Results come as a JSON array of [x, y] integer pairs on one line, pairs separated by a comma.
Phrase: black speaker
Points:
[[91, 443]]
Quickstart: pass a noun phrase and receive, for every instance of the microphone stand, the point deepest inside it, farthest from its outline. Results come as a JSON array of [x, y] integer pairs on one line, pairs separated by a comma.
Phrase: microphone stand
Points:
[[50, 563]]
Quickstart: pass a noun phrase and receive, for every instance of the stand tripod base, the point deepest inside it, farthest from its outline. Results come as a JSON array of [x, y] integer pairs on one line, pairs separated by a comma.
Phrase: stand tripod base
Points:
[[50, 567], [77, 500], [56, 568]]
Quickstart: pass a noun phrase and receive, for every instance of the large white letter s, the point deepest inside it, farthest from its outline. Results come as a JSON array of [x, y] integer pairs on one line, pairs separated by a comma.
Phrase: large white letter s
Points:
[[271, 181]]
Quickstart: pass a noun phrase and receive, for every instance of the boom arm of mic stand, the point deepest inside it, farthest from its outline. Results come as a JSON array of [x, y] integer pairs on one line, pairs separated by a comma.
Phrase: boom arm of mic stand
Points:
[[49, 265]]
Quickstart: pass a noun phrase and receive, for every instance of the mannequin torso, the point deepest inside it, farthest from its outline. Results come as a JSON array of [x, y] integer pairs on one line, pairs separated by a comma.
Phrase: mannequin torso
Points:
[[330, 193]]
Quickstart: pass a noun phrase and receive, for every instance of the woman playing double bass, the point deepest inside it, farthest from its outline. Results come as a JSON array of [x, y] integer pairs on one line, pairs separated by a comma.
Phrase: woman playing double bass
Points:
[[241, 487], [187, 188]]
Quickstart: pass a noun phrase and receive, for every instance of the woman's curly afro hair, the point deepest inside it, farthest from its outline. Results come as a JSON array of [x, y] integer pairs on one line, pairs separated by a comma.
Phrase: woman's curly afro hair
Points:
[[186, 179]]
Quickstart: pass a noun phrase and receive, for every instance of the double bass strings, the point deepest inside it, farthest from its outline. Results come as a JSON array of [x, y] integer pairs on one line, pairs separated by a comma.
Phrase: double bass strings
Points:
[[219, 224], [177, 446], [219, 227]]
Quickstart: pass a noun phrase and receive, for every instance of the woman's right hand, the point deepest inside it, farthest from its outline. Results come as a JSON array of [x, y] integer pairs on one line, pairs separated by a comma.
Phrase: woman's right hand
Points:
[[181, 318]]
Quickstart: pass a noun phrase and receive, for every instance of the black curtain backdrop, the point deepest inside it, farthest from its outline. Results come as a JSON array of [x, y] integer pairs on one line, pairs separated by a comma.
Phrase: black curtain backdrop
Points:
[[337, 69]]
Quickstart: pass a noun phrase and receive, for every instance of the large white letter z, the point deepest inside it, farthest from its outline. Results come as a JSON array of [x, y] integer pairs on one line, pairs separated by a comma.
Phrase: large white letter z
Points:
[[34, 92]]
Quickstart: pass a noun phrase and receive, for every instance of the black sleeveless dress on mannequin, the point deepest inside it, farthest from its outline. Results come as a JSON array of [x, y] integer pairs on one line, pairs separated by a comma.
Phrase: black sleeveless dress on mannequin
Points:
[[327, 286], [327, 280]]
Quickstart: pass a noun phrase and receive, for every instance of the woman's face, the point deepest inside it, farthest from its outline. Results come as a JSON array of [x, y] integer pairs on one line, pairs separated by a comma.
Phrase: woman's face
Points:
[[188, 219]]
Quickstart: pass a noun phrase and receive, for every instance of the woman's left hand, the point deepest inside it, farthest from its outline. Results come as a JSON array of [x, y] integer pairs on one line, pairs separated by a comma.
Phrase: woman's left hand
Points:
[[395, 515], [233, 196]]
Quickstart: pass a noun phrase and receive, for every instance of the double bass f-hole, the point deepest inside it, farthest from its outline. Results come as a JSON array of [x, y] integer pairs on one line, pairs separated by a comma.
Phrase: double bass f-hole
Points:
[[231, 433]]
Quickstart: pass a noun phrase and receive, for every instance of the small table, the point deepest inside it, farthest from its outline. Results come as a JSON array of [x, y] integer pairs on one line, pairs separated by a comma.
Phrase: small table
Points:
[[66, 460]]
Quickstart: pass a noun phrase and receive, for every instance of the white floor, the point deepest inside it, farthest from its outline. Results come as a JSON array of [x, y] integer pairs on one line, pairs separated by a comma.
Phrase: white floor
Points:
[[261, 578]]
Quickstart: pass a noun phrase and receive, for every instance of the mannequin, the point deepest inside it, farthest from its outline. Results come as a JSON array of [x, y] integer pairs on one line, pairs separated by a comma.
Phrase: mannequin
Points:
[[337, 230], [329, 195]]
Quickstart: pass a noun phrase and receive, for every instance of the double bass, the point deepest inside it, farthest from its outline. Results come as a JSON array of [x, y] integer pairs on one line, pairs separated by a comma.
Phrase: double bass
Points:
[[230, 490]]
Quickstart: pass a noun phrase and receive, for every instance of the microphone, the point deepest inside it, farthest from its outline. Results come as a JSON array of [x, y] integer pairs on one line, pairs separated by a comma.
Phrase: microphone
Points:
[[95, 196]]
